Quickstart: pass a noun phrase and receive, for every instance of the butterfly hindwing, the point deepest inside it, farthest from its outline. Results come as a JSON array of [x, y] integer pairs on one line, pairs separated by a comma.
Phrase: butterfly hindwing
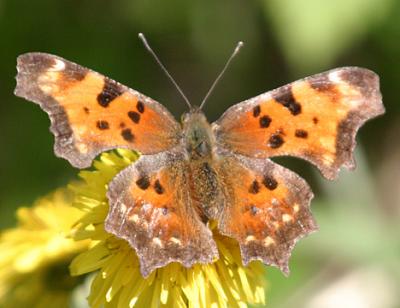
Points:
[[91, 113], [266, 209], [151, 208], [315, 118]]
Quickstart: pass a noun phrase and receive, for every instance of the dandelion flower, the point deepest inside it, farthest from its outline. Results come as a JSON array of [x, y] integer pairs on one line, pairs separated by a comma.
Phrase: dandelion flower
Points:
[[118, 282], [35, 255]]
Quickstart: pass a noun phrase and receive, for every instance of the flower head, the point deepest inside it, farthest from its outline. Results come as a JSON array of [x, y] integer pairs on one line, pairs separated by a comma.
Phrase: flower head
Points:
[[35, 255], [118, 283]]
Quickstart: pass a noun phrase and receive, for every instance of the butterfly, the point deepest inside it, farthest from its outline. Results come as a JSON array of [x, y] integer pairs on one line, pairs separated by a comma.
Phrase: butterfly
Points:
[[195, 172]]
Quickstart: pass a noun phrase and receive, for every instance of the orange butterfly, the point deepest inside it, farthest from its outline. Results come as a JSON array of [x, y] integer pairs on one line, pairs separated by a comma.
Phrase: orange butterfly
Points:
[[195, 172]]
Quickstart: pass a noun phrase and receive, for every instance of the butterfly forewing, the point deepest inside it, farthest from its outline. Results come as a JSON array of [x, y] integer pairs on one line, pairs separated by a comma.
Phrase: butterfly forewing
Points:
[[91, 113], [315, 118]]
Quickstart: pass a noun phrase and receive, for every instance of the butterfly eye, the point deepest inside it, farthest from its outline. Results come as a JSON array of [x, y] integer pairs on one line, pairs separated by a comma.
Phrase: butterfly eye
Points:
[[185, 117]]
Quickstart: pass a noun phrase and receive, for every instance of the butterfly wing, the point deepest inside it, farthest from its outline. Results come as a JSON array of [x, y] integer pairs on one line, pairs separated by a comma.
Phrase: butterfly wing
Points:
[[91, 113], [315, 118], [266, 209], [151, 208]]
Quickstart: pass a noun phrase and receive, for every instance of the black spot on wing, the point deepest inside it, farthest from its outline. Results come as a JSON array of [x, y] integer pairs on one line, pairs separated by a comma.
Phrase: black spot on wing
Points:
[[265, 121], [158, 187], [140, 107], [127, 135], [269, 182], [134, 116], [254, 187], [256, 111], [111, 91], [143, 182], [275, 141], [102, 125], [285, 97], [301, 133]]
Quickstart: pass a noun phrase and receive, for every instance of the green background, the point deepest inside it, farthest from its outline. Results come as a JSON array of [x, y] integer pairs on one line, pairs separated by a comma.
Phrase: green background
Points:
[[355, 255]]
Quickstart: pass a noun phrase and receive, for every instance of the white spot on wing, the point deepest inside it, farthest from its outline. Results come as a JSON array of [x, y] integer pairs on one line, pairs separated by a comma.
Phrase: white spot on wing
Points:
[[286, 217], [356, 103], [82, 148], [156, 241], [175, 241], [250, 238], [46, 89], [134, 218], [57, 66], [268, 241], [123, 207], [335, 77], [47, 82]]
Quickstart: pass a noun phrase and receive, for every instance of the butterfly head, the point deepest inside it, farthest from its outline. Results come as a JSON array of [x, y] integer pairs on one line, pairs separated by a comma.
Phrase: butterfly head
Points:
[[198, 136]]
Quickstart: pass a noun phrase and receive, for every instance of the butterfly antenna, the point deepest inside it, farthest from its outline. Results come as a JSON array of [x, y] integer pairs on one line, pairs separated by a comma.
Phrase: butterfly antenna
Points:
[[142, 37], [234, 53]]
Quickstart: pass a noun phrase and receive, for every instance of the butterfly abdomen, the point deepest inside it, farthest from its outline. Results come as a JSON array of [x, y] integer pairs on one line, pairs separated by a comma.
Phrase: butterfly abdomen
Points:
[[205, 189]]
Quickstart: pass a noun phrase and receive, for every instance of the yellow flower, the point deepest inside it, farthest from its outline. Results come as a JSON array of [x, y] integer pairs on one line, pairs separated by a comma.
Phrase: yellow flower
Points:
[[35, 255], [118, 282]]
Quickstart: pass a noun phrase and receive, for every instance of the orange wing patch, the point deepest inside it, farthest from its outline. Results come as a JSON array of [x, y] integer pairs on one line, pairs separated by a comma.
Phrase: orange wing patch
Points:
[[91, 113], [315, 119], [151, 207], [158, 190], [266, 211]]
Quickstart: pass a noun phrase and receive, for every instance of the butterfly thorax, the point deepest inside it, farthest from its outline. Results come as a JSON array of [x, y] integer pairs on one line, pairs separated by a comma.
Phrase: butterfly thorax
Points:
[[198, 136]]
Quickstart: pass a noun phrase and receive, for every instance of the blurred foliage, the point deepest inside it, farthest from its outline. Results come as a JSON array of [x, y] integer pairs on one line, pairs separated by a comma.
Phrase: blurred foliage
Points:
[[314, 33], [284, 40]]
